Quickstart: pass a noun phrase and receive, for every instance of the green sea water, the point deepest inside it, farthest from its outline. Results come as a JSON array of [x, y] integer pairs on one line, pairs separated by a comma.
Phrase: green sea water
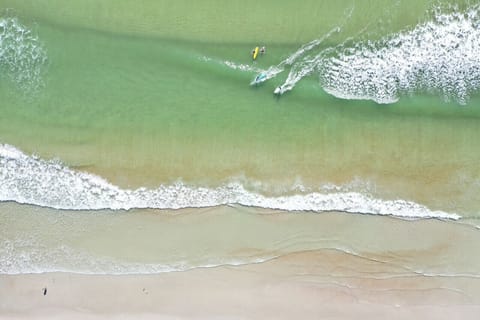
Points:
[[148, 93], [143, 109]]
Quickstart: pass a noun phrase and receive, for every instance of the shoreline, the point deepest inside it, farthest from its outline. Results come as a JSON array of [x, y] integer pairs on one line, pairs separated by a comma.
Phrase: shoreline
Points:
[[148, 241], [375, 193], [307, 285], [333, 265]]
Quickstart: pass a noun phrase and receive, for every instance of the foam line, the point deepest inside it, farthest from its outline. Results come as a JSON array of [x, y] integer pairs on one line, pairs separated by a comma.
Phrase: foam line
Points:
[[438, 57], [31, 180]]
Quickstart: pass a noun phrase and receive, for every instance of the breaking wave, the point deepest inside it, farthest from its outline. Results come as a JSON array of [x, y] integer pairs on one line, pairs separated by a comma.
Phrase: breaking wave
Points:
[[436, 57], [439, 57], [22, 55], [31, 180]]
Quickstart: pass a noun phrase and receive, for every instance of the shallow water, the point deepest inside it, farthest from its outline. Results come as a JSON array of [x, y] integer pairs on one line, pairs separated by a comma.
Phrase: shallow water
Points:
[[38, 239]]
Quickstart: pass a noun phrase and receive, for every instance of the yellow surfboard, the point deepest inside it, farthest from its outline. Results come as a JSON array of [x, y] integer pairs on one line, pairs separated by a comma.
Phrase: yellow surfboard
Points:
[[255, 53]]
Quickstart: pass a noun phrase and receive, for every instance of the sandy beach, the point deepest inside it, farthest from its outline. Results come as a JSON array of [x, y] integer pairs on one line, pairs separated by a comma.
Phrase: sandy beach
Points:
[[308, 285], [327, 266]]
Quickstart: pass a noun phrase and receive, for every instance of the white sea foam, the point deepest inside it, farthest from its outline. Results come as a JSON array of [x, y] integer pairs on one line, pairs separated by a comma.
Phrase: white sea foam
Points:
[[240, 66], [438, 56], [231, 64], [28, 255], [31, 180], [22, 55], [273, 71]]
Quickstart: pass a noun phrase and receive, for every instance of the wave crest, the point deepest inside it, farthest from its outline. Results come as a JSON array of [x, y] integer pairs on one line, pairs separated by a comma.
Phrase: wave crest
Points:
[[31, 180], [439, 56]]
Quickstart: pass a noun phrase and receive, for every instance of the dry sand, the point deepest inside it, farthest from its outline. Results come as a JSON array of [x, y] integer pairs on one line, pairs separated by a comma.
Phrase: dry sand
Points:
[[321, 284]]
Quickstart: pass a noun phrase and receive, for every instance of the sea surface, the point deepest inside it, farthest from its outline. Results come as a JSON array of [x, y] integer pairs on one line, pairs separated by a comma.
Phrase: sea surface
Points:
[[133, 139]]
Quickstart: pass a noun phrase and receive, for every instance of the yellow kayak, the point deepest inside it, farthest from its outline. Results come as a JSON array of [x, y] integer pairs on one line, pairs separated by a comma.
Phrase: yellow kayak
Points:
[[255, 53]]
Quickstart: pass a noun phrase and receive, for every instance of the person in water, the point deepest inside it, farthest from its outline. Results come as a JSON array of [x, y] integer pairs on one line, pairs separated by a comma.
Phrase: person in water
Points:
[[262, 50]]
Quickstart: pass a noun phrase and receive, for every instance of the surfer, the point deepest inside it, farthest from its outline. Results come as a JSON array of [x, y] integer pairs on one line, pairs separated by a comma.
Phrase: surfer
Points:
[[278, 90], [258, 50]]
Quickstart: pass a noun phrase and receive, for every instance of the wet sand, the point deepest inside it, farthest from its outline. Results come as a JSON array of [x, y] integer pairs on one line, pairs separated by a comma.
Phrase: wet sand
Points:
[[324, 284], [357, 267]]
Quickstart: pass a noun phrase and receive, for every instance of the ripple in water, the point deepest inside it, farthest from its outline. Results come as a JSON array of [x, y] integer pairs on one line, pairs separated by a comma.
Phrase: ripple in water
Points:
[[22, 55]]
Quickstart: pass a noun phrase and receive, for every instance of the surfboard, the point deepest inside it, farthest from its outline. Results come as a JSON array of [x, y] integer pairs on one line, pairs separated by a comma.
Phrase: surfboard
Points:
[[261, 77], [255, 53]]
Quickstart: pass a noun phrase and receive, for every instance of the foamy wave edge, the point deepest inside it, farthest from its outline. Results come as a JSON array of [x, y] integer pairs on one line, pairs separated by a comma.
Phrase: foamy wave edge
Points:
[[31, 180], [437, 57], [37, 260], [22, 54]]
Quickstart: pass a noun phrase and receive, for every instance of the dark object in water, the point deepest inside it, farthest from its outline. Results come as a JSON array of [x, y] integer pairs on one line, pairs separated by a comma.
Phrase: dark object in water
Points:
[[45, 291]]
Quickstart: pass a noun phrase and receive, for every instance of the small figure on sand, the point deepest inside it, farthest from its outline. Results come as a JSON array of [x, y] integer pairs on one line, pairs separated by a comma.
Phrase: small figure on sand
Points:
[[45, 291]]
